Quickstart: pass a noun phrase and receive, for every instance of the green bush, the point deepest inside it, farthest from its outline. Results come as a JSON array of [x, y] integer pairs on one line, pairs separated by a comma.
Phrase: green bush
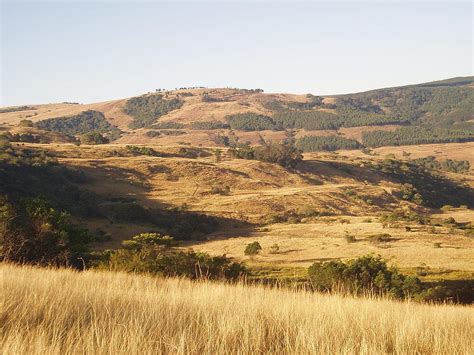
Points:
[[153, 253], [35, 233], [285, 155], [253, 248], [139, 150], [94, 138], [364, 274]]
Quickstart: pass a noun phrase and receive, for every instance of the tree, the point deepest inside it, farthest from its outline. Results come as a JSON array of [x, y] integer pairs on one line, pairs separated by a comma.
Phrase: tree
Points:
[[94, 138], [283, 154], [253, 248]]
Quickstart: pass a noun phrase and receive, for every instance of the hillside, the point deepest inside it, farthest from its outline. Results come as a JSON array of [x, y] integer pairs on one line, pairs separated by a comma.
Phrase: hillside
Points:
[[63, 311], [220, 205], [435, 112]]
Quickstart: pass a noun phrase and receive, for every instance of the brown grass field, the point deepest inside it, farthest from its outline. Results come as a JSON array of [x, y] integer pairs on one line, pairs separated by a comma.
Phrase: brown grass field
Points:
[[67, 312]]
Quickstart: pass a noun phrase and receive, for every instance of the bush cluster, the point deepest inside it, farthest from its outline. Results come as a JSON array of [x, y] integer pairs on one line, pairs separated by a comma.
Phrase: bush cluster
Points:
[[35, 233], [452, 165], [155, 254], [94, 138], [370, 274], [285, 155]]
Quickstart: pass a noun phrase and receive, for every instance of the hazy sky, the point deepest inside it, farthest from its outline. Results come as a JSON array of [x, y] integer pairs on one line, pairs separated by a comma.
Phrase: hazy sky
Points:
[[90, 51]]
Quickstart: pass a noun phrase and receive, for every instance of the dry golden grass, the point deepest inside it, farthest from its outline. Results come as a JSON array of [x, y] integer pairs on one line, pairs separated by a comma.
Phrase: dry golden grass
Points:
[[67, 312], [303, 244]]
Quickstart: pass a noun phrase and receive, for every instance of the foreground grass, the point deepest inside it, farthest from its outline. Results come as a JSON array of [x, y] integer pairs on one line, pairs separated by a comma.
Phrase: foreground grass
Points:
[[63, 312]]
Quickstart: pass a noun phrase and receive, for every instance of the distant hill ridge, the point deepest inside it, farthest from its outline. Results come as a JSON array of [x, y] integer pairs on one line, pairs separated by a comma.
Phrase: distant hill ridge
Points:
[[434, 112]]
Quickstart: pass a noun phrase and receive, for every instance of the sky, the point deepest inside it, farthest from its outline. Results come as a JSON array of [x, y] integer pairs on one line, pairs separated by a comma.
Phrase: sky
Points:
[[96, 51]]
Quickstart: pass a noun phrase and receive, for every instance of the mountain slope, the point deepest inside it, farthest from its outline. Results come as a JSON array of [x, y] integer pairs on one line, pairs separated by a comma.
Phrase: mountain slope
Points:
[[441, 111]]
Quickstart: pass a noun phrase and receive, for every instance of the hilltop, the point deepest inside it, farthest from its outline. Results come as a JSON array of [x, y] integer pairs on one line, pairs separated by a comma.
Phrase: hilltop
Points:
[[435, 112]]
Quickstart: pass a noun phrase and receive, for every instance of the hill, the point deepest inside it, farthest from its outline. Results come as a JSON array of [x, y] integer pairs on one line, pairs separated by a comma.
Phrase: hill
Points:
[[207, 173], [218, 203], [435, 112], [105, 312]]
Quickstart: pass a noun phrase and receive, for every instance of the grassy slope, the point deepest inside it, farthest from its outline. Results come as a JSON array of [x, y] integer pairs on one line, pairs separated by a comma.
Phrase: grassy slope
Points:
[[258, 190], [65, 312]]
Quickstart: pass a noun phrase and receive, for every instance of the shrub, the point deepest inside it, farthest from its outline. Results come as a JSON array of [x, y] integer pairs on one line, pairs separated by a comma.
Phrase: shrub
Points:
[[364, 274], [35, 233], [153, 253], [380, 238], [274, 249], [153, 134], [94, 138], [220, 190], [252, 248], [350, 238], [285, 155], [146, 239], [172, 132], [139, 150], [220, 139], [26, 123]]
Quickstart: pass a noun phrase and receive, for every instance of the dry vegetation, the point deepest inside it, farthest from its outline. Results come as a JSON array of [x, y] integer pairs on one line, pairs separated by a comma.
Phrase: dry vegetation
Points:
[[67, 312], [259, 192]]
